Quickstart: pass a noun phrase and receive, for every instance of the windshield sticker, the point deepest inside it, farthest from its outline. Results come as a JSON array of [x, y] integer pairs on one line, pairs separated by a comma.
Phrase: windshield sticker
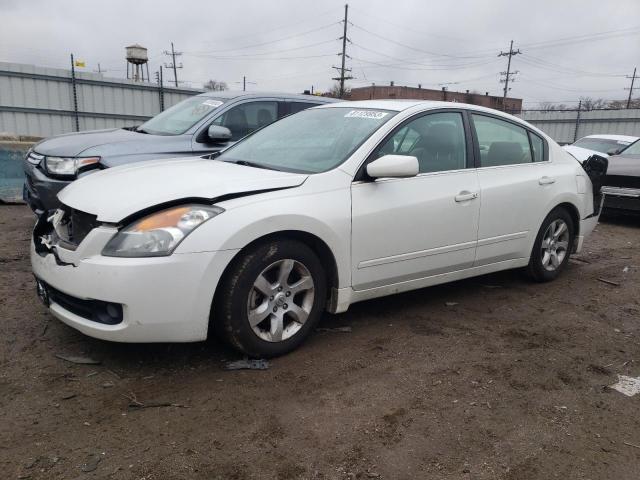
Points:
[[212, 103], [366, 114]]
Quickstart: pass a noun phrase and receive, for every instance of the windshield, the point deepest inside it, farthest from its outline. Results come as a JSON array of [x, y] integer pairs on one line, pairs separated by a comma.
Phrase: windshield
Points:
[[311, 141], [602, 145], [634, 149], [181, 117]]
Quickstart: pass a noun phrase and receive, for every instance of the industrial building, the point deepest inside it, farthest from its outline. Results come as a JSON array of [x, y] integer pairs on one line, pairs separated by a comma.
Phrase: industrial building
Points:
[[511, 105]]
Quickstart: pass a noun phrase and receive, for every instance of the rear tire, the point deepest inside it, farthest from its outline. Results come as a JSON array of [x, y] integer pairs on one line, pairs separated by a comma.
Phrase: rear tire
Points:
[[271, 298], [552, 247]]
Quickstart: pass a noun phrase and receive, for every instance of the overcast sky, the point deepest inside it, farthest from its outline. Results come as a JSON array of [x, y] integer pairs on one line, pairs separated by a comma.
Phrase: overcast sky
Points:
[[570, 48]]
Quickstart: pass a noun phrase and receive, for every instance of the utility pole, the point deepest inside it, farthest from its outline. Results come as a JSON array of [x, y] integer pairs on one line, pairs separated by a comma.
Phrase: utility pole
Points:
[[173, 54], [508, 73], [633, 79], [575, 132], [160, 88], [344, 55], [244, 83], [74, 92]]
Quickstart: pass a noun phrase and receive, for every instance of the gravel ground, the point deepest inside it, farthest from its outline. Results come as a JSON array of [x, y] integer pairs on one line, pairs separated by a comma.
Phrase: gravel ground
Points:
[[492, 377]]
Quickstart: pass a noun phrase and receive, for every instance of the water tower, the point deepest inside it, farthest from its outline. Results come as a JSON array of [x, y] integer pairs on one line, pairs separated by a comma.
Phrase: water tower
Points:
[[137, 58]]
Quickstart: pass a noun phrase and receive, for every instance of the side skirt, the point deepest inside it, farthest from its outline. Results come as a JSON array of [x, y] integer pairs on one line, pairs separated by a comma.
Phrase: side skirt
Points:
[[343, 297]]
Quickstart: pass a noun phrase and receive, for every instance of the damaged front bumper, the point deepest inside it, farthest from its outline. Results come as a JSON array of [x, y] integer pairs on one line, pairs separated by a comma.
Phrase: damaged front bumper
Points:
[[154, 299]]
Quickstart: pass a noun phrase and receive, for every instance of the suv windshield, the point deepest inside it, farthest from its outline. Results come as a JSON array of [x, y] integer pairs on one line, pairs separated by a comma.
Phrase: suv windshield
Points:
[[634, 149], [602, 145], [181, 117], [311, 141]]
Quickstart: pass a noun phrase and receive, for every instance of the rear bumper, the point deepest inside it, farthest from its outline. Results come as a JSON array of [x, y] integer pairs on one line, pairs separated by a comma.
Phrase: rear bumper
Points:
[[586, 227]]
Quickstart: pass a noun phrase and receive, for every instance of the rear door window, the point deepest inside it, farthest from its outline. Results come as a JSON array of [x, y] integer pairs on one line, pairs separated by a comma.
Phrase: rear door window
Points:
[[295, 107], [248, 117], [537, 146]]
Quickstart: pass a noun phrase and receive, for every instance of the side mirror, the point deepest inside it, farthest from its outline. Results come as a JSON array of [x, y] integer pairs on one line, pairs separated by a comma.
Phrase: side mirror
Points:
[[613, 151], [394, 166], [218, 134]]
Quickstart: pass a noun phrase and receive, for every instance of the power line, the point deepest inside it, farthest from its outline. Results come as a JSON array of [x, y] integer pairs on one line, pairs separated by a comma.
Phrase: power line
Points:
[[429, 67], [583, 38], [554, 67], [266, 58], [405, 28], [257, 54], [560, 87], [508, 73], [316, 16], [173, 54], [344, 39], [269, 42], [413, 48]]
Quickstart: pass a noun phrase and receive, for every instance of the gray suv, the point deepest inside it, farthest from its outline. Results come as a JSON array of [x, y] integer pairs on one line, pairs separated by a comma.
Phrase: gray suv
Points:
[[199, 125]]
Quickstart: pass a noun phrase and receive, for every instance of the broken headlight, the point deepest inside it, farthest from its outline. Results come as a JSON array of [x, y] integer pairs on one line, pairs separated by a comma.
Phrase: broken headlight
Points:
[[159, 233]]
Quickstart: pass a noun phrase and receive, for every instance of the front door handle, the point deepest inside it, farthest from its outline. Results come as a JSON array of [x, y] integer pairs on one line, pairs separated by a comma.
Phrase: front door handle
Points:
[[546, 180], [465, 196]]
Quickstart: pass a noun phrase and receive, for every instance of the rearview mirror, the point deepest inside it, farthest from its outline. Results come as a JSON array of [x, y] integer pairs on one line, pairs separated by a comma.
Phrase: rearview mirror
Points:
[[217, 134], [394, 166]]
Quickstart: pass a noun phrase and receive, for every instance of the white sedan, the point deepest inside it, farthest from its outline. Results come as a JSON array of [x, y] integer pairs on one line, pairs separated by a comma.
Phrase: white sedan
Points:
[[325, 208], [603, 145]]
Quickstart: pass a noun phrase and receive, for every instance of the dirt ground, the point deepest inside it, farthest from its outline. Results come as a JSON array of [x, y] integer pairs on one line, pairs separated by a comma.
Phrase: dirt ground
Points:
[[488, 378]]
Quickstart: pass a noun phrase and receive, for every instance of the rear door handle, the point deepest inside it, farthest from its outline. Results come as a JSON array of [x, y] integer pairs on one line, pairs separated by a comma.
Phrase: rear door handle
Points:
[[465, 196], [546, 180]]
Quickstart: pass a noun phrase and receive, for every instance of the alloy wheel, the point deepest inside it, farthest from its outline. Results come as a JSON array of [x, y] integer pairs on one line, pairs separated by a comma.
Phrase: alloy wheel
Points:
[[280, 300], [555, 244]]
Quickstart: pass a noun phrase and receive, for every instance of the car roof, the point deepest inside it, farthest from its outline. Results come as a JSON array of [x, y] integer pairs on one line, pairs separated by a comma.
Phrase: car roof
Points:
[[232, 95], [624, 138], [401, 105]]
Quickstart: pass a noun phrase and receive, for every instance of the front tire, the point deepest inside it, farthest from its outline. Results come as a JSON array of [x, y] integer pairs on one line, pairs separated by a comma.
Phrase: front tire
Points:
[[552, 247], [271, 298]]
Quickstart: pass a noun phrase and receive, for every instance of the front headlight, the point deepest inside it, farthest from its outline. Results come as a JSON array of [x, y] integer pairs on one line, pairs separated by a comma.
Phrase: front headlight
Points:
[[68, 166], [160, 233]]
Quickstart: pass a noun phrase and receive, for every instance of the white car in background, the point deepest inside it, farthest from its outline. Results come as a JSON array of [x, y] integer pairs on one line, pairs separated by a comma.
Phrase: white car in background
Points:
[[603, 145], [322, 209]]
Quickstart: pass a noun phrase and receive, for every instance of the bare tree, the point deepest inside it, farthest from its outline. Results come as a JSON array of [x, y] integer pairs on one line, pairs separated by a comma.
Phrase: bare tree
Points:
[[547, 106], [334, 91], [588, 103], [215, 86], [635, 103]]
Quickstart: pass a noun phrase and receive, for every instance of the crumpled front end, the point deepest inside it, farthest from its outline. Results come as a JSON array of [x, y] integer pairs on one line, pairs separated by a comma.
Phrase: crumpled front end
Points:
[[157, 299]]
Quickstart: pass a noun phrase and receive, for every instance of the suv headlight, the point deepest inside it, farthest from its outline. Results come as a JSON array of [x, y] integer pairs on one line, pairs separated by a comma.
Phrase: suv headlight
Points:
[[68, 166], [160, 233]]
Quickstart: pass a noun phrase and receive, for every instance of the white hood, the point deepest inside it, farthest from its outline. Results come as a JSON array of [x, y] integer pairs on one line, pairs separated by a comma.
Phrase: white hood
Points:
[[582, 154], [115, 193]]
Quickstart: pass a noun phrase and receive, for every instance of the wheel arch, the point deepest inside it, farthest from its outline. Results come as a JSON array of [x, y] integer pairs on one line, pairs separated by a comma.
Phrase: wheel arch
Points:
[[573, 211], [319, 247]]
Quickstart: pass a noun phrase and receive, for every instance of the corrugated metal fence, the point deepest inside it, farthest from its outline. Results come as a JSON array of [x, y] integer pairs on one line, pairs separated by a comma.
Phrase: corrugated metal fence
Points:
[[40, 101], [566, 126]]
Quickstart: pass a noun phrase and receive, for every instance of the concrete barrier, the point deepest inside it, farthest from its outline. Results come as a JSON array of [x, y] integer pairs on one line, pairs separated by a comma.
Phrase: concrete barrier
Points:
[[12, 151]]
